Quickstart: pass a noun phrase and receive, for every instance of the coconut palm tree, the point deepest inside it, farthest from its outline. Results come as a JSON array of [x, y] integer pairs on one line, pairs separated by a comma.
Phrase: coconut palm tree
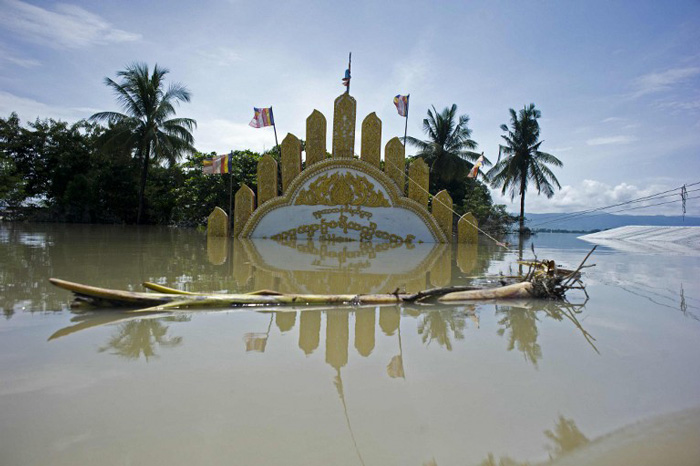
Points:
[[146, 127], [523, 162], [448, 149]]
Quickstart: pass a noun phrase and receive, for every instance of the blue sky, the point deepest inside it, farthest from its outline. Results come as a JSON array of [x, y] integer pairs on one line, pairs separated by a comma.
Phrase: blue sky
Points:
[[618, 83]]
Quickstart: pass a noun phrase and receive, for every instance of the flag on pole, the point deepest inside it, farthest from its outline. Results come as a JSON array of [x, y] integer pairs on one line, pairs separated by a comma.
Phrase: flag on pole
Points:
[[401, 102], [346, 79], [217, 165], [263, 117], [475, 168]]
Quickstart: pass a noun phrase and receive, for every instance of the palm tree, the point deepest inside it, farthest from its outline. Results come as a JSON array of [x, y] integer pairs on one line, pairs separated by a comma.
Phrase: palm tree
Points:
[[523, 161], [448, 149], [146, 126]]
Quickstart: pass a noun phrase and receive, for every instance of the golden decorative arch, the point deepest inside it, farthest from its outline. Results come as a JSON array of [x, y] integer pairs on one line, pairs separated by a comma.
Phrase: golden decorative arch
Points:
[[350, 189]]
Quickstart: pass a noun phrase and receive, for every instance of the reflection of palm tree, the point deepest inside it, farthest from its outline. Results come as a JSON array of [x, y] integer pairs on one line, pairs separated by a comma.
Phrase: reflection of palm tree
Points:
[[140, 337], [566, 437], [436, 325], [522, 324]]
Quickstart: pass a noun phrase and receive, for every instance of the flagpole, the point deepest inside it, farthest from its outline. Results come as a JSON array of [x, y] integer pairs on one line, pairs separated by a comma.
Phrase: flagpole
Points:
[[405, 130], [230, 189], [274, 127], [347, 91]]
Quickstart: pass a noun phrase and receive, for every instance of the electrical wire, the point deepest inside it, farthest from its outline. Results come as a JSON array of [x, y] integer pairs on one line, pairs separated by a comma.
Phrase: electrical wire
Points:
[[640, 199]]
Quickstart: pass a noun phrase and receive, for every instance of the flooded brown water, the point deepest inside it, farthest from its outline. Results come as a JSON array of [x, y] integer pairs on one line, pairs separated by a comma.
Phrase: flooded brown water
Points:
[[613, 381]]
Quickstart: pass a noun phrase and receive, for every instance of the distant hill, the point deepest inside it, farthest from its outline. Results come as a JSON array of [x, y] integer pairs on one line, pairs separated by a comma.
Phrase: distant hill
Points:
[[603, 221]]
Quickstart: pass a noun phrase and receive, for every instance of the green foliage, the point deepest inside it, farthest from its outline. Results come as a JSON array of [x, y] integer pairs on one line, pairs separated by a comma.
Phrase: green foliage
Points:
[[199, 193], [523, 163], [477, 200], [448, 153], [448, 149], [147, 128]]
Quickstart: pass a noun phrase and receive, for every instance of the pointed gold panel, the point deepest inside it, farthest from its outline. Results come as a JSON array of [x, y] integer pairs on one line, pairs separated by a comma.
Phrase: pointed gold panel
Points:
[[217, 223], [315, 138], [291, 160], [371, 148], [442, 211], [418, 179], [267, 178], [394, 163], [344, 115], [244, 204], [467, 229]]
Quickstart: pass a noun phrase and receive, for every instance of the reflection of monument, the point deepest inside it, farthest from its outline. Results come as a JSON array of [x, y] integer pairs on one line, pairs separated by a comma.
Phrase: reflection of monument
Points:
[[339, 267], [343, 198]]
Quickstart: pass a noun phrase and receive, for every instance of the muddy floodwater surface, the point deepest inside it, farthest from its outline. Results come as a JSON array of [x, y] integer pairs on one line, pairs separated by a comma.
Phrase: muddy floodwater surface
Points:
[[614, 379]]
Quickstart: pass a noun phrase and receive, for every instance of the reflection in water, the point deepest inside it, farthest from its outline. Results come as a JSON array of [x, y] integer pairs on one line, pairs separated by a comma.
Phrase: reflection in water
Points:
[[521, 325], [337, 338], [285, 320], [258, 341], [436, 325], [364, 331], [309, 331], [338, 382], [565, 438], [327, 268], [395, 367], [138, 337], [520, 321], [217, 249], [187, 260]]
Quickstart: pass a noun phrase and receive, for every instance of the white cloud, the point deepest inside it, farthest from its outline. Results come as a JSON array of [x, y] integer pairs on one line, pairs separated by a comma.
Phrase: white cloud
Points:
[[559, 150], [611, 140], [222, 56], [663, 81], [66, 27], [9, 57], [29, 109], [592, 194], [220, 135]]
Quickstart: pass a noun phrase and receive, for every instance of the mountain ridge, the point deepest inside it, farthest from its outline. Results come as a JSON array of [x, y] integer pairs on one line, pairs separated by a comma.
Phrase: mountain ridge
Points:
[[602, 221]]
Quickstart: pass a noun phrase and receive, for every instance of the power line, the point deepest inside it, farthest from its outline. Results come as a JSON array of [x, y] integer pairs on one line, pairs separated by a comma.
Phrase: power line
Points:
[[654, 205], [640, 199]]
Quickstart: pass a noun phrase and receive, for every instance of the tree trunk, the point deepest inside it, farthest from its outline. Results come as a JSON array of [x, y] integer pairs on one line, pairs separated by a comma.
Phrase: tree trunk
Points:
[[522, 204], [142, 188]]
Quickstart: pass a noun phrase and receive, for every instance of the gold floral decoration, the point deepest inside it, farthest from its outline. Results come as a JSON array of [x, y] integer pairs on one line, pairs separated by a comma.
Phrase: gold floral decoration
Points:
[[342, 189]]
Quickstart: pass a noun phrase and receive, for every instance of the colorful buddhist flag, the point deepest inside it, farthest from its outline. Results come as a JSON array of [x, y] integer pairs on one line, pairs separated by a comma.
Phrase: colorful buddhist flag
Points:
[[475, 168], [217, 165], [401, 102], [263, 117], [346, 78]]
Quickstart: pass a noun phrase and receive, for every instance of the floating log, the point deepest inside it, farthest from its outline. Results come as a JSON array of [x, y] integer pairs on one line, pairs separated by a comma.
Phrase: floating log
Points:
[[544, 280]]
